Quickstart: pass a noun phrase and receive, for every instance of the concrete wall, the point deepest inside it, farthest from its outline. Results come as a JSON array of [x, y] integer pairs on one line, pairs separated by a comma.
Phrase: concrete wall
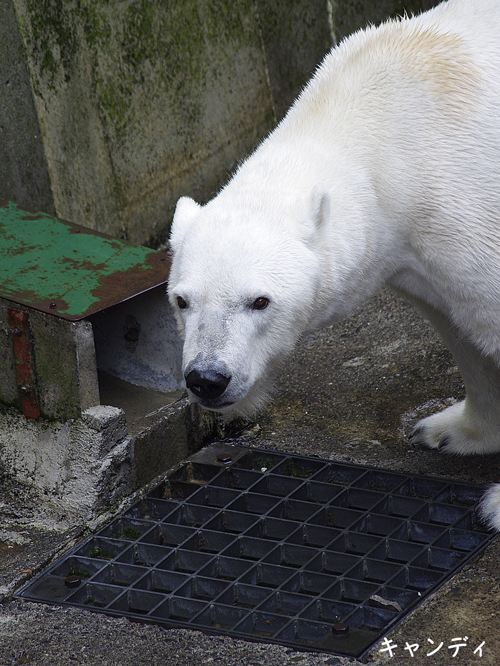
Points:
[[24, 174], [296, 34], [138, 103], [141, 101], [80, 466], [351, 15], [112, 110], [61, 361]]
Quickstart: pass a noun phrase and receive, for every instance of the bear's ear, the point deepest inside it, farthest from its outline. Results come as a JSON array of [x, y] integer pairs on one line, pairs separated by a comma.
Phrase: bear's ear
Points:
[[319, 213], [185, 212]]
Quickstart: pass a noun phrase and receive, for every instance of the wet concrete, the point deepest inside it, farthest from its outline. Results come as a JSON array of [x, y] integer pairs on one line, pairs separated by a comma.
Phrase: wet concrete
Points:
[[137, 402], [351, 392]]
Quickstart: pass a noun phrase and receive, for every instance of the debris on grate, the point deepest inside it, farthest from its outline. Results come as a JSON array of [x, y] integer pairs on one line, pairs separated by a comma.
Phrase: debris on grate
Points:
[[308, 553]]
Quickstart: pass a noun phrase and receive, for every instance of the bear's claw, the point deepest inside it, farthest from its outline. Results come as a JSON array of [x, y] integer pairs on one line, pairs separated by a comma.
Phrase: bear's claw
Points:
[[443, 443], [416, 437]]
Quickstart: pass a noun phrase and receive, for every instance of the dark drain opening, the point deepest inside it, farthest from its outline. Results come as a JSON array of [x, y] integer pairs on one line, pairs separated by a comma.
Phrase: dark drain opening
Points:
[[308, 553]]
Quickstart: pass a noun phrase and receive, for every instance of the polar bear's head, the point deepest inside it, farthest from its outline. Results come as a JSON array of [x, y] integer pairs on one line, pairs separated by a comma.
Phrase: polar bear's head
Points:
[[243, 288]]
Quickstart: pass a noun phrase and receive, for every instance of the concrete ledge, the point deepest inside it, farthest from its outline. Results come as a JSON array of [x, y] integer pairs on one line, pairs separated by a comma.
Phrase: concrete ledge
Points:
[[76, 466], [83, 466]]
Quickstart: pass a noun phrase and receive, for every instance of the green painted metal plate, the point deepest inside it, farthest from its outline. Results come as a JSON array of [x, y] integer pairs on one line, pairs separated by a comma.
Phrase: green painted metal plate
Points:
[[67, 270]]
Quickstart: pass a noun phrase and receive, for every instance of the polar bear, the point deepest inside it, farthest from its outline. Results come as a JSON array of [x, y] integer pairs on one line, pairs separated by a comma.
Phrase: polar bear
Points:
[[385, 171]]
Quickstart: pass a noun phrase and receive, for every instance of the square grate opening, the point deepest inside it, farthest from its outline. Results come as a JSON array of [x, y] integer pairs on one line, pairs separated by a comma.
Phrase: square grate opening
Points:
[[309, 553]]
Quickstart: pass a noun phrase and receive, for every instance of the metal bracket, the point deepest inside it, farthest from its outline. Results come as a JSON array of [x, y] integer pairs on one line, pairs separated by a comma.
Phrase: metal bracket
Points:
[[23, 357]]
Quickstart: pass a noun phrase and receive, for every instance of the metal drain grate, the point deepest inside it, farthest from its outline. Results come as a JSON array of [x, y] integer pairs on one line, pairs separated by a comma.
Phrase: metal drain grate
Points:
[[259, 545]]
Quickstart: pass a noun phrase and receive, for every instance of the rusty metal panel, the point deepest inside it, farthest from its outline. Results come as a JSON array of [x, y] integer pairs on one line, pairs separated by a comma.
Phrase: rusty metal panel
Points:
[[68, 270]]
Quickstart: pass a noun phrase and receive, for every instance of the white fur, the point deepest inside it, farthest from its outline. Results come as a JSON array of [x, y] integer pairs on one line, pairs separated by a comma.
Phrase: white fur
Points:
[[490, 506], [385, 171]]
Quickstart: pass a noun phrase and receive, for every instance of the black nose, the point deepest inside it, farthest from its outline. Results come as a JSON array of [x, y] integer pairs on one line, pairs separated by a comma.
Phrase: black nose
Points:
[[207, 384]]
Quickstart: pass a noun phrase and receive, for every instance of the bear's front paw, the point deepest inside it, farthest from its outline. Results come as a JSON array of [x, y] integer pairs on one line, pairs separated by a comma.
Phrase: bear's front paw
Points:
[[454, 431], [424, 436]]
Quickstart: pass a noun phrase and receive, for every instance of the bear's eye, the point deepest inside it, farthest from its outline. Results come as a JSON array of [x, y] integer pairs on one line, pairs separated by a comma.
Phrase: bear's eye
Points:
[[260, 303], [181, 303]]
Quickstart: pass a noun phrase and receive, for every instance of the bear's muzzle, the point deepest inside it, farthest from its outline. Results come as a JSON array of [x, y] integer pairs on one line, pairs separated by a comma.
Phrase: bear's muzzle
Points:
[[207, 385]]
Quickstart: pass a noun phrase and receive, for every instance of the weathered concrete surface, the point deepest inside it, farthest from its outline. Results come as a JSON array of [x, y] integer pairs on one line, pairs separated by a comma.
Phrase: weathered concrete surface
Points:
[[24, 175], [351, 15], [296, 35], [141, 102], [31, 534], [138, 341], [351, 393], [111, 111], [63, 363], [129, 105], [81, 465], [80, 455], [169, 434]]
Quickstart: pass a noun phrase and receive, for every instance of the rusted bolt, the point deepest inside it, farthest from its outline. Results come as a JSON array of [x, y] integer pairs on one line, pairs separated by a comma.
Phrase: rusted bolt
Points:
[[340, 629], [132, 335], [53, 305], [72, 581], [224, 458]]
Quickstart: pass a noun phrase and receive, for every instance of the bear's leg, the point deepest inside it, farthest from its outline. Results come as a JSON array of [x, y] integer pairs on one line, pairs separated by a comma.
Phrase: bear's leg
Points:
[[473, 425]]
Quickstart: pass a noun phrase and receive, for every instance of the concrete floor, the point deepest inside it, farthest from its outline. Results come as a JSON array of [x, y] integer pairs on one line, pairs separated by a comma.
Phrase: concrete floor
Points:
[[351, 392]]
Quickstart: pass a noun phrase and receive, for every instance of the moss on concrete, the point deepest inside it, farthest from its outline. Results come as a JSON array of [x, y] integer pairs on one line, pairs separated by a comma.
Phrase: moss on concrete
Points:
[[24, 174], [143, 101]]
